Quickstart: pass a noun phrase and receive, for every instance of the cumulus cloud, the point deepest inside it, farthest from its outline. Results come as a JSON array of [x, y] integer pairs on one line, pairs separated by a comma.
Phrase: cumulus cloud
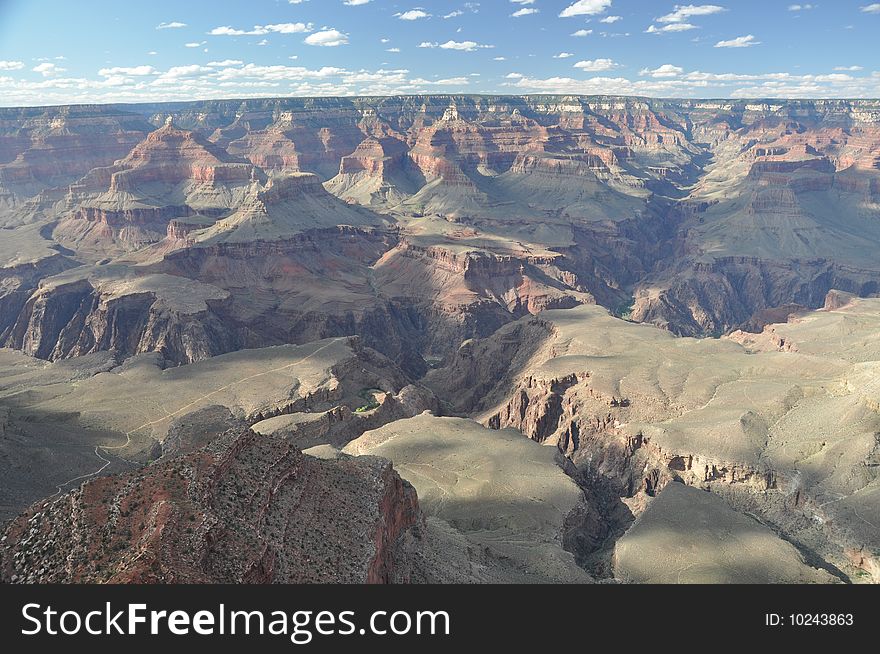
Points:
[[48, 70], [261, 30], [739, 42], [328, 38], [695, 84], [610, 19], [463, 46], [671, 27], [666, 70], [596, 65], [177, 72], [356, 3], [170, 26], [525, 11], [682, 13], [231, 78], [563, 55], [11, 65], [581, 33], [873, 8], [586, 8], [800, 7], [134, 71], [413, 14]]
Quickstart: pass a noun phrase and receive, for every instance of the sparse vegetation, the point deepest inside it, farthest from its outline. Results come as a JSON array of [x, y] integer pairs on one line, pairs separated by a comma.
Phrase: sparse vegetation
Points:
[[369, 396]]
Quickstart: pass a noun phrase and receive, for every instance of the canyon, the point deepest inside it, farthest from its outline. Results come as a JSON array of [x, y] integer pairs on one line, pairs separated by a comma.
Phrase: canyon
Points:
[[511, 338]]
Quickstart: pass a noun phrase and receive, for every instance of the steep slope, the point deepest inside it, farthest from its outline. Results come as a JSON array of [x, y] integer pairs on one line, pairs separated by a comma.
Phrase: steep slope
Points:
[[376, 174], [172, 174], [697, 216], [49, 148], [688, 536], [69, 421], [783, 424], [243, 509], [505, 494], [787, 211]]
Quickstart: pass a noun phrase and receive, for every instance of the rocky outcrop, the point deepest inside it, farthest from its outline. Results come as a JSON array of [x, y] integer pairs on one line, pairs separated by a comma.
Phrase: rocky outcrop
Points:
[[43, 148], [83, 316], [242, 509], [542, 202], [340, 425], [623, 404], [118, 208], [734, 292]]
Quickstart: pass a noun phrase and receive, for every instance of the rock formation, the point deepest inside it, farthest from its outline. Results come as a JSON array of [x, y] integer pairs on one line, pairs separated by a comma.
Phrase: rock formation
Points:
[[242, 509]]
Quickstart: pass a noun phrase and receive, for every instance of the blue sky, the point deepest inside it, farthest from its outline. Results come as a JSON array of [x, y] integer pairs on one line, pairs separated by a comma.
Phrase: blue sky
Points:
[[59, 51]]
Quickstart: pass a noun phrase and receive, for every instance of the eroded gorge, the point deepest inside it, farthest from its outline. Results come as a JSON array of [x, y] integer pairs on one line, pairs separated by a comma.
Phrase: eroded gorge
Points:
[[594, 337]]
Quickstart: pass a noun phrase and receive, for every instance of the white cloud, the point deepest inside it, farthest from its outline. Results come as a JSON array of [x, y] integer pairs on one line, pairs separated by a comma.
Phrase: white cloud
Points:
[[413, 14], [800, 7], [393, 50], [48, 70], [739, 42], [581, 33], [682, 13], [225, 63], [328, 38], [11, 65], [454, 14], [356, 3], [671, 27], [170, 26], [524, 12], [666, 70], [176, 72], [261, 30], [596, 65], [563, 55], [873, 8], [463, 46], [134, 71], [697, 84], [258, 81], [499, 59], [523, 2], [610, 19], [195, 44], [853, 69], [586, 8]]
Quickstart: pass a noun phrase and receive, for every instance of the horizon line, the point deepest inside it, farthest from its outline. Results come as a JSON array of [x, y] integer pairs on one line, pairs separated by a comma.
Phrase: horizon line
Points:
[[763, 100]]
